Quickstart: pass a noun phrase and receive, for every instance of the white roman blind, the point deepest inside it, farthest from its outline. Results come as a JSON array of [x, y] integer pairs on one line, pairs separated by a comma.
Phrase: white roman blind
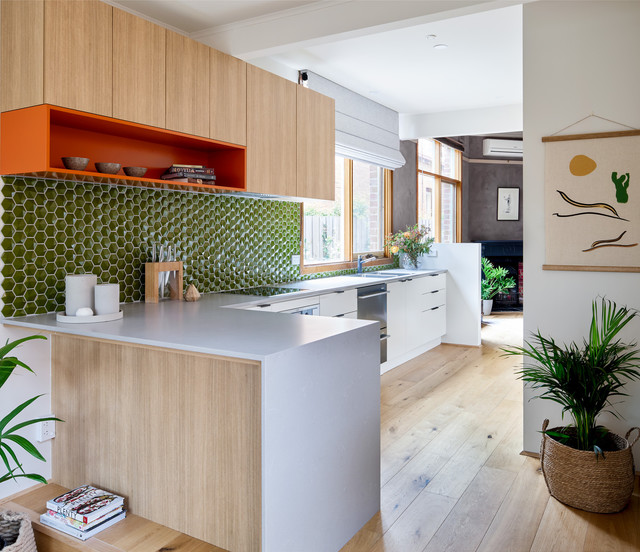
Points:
[[365, 130]]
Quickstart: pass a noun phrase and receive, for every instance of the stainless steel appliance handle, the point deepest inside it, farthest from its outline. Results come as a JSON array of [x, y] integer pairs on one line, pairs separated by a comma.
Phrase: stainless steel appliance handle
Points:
[[372, 295]]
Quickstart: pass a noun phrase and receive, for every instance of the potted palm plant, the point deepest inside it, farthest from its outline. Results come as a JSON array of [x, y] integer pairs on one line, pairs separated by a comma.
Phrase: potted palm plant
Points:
[[584, 464], [16, 533], [495, 281]]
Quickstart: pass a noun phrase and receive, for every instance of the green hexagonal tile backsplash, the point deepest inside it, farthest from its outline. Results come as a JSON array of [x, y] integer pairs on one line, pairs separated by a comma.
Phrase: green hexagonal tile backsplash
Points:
[[53, 228]]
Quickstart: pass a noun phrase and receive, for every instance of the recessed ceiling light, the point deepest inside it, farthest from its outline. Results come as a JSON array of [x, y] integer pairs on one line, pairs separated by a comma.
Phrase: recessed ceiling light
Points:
[[440, 46], [431, 37]]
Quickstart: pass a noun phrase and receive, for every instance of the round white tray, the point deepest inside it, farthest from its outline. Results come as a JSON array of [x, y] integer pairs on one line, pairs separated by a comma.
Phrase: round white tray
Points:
[[61, 317]]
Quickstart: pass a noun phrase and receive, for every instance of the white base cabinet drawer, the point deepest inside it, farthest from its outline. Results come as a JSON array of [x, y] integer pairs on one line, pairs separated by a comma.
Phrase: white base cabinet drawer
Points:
[[353, 315], [339, 302], [433, 299], [433, 323]]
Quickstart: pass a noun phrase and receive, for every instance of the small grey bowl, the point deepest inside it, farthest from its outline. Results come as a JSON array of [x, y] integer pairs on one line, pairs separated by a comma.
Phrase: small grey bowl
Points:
[[75, 163], [134, 171], [107, 168]]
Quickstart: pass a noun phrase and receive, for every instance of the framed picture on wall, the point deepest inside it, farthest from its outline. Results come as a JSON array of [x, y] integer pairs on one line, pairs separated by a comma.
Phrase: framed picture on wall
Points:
[[508, 203]]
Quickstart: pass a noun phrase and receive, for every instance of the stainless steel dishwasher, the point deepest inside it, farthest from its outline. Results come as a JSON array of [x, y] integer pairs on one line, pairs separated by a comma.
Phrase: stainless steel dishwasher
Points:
[[372, 305]]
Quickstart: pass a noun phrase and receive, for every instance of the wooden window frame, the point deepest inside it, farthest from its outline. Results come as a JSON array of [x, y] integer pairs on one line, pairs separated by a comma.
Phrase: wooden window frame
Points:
[[437, 191], [385, 257]]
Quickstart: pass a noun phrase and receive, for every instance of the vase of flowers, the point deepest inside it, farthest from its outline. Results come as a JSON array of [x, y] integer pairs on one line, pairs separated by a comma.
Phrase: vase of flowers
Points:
[[410, 244]]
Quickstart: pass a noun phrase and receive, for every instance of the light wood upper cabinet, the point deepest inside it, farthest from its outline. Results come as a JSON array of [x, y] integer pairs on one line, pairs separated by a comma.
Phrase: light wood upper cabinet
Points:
[[78, 55], [316, 145], [22, 43], [139, 49], [228, 92], [187, 78], [271, 133]]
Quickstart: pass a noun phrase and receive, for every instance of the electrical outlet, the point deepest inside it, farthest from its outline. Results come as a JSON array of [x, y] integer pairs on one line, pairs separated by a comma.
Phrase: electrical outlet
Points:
[[46, 431], [295, 260]]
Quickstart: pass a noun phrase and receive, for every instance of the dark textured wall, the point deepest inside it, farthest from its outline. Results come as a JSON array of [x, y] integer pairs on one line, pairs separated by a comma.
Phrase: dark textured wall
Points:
[[480, 182], [404, 188]]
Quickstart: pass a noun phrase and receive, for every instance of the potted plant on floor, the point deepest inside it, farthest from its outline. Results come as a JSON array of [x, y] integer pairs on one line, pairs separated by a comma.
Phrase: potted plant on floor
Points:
[[584, 464], [410, 244], [16, 534], [495, 281]]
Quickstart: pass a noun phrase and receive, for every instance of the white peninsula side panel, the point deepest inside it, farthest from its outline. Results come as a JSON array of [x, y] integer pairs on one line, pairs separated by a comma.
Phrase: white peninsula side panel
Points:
[[462, 262], [321, 442]]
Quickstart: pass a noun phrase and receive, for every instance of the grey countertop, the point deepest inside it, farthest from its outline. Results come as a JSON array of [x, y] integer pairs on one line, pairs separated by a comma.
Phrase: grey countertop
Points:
[[205, 327]]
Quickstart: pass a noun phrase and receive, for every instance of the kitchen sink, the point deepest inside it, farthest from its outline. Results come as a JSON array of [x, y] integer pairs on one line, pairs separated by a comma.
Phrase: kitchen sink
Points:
[[394, 273], [373, 275]]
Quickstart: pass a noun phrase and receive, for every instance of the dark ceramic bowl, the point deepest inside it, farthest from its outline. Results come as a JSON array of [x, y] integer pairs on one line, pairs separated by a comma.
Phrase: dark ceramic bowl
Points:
[[107, 168], [134, 171], [75, 163]]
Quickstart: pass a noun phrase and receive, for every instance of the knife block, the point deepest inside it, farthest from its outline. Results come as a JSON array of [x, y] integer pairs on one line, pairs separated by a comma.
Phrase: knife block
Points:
[[152, 272]]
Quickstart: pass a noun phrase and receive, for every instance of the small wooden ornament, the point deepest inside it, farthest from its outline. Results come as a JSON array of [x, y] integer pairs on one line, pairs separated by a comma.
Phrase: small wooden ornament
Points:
[[192, 294]]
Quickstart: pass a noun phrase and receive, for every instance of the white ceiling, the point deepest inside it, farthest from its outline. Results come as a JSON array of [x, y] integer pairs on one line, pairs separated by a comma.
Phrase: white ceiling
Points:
[[482, 66], [377, 48]]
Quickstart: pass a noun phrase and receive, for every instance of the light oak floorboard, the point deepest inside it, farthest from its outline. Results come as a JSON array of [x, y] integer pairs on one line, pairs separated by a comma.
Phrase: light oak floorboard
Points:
[[452, 474]]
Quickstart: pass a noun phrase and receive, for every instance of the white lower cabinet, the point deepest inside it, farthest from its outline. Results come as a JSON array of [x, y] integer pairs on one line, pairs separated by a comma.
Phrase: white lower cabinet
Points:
[[342, 303], [416, 314]]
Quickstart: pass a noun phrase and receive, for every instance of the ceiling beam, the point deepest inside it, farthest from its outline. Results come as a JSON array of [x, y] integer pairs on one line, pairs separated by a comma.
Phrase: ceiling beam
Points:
[[331, 20]]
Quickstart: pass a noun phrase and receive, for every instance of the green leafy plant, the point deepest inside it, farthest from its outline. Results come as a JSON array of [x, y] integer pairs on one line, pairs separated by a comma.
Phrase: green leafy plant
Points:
[[8, 435], [583, 379], [414, 241], [495, 280]]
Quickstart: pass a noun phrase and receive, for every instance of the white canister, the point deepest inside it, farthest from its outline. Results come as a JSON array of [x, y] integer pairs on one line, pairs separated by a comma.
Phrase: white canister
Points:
[[107, 297], [78, 290]]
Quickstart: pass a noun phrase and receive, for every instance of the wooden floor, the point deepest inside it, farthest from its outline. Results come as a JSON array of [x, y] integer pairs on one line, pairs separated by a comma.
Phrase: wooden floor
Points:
[[452, 476]]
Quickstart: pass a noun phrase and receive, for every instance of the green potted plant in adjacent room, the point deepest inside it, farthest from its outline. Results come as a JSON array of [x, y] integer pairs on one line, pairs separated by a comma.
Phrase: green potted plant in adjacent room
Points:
[[410, 244], [495, 281], [584, 464], [15, 527]]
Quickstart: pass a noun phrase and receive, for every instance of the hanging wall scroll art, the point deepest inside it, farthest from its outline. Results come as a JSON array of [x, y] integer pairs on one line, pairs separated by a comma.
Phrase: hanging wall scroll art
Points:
[[592, 202]]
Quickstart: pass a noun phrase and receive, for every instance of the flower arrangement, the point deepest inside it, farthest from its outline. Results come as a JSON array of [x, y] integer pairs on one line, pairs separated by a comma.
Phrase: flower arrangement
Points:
[[413, 242]]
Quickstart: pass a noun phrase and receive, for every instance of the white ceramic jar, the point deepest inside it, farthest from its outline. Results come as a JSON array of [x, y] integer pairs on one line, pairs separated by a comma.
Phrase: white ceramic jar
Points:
[[79, 294], [107, 298]]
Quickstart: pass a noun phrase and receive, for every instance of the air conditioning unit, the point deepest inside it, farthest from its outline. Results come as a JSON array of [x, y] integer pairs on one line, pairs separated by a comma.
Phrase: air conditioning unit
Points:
[[502, 148]]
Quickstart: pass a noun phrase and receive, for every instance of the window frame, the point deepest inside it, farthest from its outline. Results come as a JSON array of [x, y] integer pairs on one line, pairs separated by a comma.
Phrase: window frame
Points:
[[437, 192], [384, 256]]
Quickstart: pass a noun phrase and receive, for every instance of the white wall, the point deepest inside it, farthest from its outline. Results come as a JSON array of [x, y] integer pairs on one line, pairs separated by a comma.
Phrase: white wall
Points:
[[579, 58], [23, 385]]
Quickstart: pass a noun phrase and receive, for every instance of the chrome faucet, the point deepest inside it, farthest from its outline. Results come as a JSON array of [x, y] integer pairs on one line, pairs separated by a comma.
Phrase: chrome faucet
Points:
[[364, 259]]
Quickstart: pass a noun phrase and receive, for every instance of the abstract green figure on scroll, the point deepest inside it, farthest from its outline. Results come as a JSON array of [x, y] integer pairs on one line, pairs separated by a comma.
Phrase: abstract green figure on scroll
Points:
[[622, 184]]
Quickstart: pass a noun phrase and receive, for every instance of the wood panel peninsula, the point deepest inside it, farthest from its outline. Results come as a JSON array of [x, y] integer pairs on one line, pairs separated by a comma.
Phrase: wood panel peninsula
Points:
[[253, 431]]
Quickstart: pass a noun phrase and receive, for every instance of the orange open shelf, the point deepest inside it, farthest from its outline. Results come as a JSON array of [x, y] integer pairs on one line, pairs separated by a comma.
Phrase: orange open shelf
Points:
[[34, 139]]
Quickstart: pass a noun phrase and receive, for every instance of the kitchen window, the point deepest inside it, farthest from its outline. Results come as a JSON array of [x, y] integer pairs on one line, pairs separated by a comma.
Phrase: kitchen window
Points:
[[356, 223], [439, 189]]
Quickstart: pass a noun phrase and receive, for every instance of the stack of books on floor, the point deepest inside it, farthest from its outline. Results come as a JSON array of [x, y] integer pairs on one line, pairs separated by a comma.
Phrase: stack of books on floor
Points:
[[84, 511], [193, 174]]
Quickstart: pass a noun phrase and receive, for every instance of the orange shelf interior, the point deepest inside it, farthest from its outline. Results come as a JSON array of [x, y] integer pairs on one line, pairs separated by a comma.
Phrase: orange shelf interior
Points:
[[63, 132]]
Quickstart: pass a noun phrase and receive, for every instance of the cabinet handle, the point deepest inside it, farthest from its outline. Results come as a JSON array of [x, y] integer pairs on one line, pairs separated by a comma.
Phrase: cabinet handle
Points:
[[338, 315], [340, 291], [384, 336], [436, 291], [264, 306], [435, 308]]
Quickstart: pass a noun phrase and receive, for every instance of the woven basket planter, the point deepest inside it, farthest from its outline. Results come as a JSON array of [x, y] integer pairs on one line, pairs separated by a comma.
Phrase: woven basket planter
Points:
[[16, 530], [579, 479]]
